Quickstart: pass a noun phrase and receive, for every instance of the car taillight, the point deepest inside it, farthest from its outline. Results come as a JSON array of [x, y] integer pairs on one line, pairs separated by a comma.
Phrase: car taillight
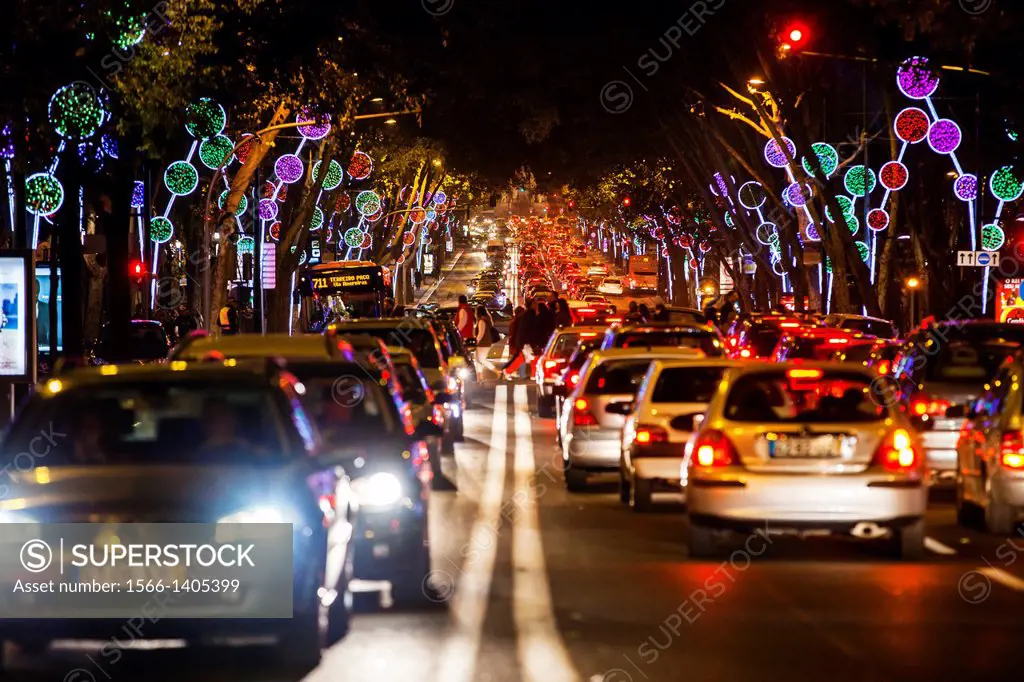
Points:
[[897, 452], [581, 415], [574, 378], [1011, 451], [713, 449], [647, 434], [883, 367], [745, 353], [921, 406]]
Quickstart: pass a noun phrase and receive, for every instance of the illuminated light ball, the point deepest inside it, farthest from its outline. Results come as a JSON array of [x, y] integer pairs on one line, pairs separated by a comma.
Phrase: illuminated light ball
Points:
[[408, 238], [108, 143], [353, 237], [864, 250], [992, 237], [44, 194], [368, 203], [752, 195], [798, 194], [878, 219], [215, 152], [335, 174], [75, 111], [944, 136], [417, 216], [777, 266], [776, 156], [852, 222], [764, 233], [160, 230], [685, 241], [915, 79], [859, 181], [245, 148], [245, 244], [377, 215], [130, 31], [360, 166], [664, 252], [275, 231], [267, 209], [321, 125], [828, 159], [441, 197], [342, 203], [243, 203], [205, 118], [912, 125], [965, 187], [812, 233], [729, 222], [695, 264], [401, 259], [7, 142], [723, 187], [704, 246], [268, 189], [138, 194], [303, 257], [316, 221], [894, 176], [367, 241], [431, 216], [289, 168], [91, 156], [845, 205], [181, 178], [1006, 184]]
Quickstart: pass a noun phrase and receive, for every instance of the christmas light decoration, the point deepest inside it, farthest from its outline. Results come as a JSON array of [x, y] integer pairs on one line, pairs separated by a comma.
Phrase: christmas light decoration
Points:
[[965, 187], [245, 245], [776, 156], [181, 178], [1006, 184], [408, 238], [316, 220], [894, 176], [812, 233], [108, 143], [247, 140], [852, 222], [75, 111], [138, 194], [275, 231], [91, 156], [368, 203], [911, 125], [729, 222], [828, 159], [441, 197], [685, 241], [289, 168], [7, 142], [992, 237], [915, 78], [878, 219], [845, 205], [944, 136], [367, 241], [243, 203], [764, 233], [859, 181], [353, 237], [44, 194], [752, 195], [360, 166], [160, 230], [797, 194], [417, 216], [334, 177], [205, 118], [343, 203], [215, 152], [267, 209], [320, 128], [864, 250], [131, 30], [431, 216], [704, 246]]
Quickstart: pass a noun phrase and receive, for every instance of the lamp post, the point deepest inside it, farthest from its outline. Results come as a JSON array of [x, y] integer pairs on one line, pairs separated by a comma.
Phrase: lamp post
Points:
[[913, 283]]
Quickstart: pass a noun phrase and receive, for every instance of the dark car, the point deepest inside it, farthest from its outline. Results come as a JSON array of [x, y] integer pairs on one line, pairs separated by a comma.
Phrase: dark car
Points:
[[147, 342], [702, 337]]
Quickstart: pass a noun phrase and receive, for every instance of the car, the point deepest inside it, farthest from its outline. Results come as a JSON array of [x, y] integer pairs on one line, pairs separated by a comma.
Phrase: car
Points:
[[550, 363], [206, 443], [702, 337], [805, 448], [200, 345], [817, 343], [669, 405], [148, 342], [612, 286], [679, 315], [590, 433], [883, 329], [596, 298]]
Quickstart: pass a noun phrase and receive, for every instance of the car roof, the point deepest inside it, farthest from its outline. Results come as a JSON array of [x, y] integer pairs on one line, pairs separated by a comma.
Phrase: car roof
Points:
[[381, 322], [700, 362], [645, 353], [253, 372], [259, 345], [745, 368], [655, 327]]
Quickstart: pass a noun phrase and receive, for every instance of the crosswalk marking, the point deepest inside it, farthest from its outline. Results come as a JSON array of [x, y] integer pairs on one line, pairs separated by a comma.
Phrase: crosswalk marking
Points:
[[469, 604], [542, 652]]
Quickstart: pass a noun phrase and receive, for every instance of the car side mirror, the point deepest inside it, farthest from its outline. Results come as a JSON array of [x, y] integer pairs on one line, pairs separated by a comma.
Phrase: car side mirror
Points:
[[427, 429], [923, 423], [442, 398], [619, 408], [956, 412]]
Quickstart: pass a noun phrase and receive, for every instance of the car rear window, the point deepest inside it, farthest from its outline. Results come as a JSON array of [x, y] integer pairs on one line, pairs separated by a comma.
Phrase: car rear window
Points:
[[420, 341], [803, 396], [764, 340], [965, 362], [564, 345], [873, 327], [669, 339], [687, 384], [347, 403], [617, 377]]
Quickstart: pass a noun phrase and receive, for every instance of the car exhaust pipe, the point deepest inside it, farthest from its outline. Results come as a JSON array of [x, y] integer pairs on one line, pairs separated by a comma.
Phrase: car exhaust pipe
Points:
[[868, 531]]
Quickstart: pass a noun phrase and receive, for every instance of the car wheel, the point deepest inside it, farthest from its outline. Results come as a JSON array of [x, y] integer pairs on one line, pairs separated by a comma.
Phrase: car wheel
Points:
[[1000, 518], [339, 613], [412, 590], [546, 406], [908, 541], [298, 647], [640, 494], [575, 480], [458, 431], [701, 542], [623, 487], [447, 444]]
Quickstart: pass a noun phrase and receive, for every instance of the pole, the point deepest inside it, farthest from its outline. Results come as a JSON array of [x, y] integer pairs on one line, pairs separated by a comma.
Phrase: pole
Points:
[[257, 257]]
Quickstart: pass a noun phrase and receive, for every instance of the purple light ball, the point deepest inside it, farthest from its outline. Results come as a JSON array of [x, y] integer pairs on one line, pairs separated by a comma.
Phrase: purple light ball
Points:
[[317, 131], [944, 136], [268, 209], [289, 168], [966, 187], [916, 80]]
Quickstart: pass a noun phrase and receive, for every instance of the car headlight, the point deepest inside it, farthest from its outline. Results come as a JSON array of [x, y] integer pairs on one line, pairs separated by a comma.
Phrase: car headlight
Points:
[[463, 373], [377, 490], [256, 515], [453, 383]]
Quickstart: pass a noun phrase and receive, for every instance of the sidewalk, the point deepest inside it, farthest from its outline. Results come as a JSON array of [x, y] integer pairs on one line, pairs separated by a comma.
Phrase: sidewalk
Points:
[[425, 297]]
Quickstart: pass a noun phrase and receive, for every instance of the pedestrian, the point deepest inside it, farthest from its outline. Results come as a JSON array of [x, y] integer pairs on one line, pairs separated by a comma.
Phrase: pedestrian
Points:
[[546, 327], [389, 307], [563, 316], [184, 323], [634, 313], [229, 318], [464, 321], [645, 312], [515, 344], [484, 339], [398, 311], [660, 313]]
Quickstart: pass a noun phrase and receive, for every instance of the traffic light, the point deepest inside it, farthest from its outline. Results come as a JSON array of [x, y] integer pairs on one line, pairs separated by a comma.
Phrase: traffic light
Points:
[[794, 37], [627, 202], [137, 271]]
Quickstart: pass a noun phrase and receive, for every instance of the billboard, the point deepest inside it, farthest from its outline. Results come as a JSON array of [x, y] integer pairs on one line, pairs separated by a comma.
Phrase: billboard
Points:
[[17, 328], [1010, 301], [43, 285]]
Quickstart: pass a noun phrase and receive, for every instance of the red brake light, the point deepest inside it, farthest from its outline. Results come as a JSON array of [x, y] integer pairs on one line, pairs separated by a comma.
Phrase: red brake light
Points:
[[646, 434], [581, 404], [613, 319], [897, 452], [588, 335], [581, 415], [548, 364], [1011, 452], [745, 353], [839, 342], [921, 406], [789, 325], [805, 374], [883, 367], [585, 310], [713, 449]]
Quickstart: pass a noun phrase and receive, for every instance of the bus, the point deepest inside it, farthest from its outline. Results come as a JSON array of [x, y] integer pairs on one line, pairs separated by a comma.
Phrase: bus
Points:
[[643, 273], [331, 292]]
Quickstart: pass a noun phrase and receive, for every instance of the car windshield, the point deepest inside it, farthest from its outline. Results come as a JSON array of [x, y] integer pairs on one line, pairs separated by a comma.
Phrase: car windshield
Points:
[[564, 345], [687, 384], [419, 341], [617, 377], [684, 317], [185, 422], [803, 396], [346, 403], [671, 339]]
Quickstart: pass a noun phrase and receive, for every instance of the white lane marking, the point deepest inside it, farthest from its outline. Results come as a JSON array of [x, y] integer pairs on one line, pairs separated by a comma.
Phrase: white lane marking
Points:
[[1004, 578], [473, 588], [933, 545], [542, 653]]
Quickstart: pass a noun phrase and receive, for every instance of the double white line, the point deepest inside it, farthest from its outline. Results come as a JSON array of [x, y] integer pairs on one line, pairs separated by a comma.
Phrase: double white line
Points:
[[541, 651]]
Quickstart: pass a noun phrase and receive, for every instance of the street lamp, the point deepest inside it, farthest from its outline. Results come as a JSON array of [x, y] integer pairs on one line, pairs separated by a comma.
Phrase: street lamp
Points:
[[390, 122], [913, 283]]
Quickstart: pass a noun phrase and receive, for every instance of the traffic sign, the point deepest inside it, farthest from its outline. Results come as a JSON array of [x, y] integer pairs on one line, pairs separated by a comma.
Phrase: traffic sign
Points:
[[977, 259]]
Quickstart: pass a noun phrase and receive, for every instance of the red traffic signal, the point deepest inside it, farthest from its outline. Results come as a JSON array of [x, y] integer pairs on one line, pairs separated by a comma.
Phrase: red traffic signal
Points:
[[627, 202], [137, 270], [794, 37]]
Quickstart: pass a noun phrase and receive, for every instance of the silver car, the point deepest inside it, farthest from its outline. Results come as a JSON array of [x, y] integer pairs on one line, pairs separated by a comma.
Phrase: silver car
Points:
[[805, 447], [590, 424]]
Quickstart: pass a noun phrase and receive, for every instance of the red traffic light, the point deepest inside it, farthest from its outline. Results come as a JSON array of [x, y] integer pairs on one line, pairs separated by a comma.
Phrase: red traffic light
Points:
[[626, 202], [137, 269], [794, 37]]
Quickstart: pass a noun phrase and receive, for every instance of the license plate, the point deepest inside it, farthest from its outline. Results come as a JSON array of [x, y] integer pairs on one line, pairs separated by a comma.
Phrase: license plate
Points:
[[818, 447]]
